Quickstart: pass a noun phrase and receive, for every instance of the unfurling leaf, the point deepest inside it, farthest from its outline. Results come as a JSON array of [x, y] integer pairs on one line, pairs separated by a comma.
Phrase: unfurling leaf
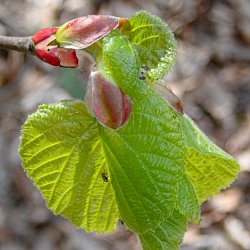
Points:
[[154, 42], [81, 32]]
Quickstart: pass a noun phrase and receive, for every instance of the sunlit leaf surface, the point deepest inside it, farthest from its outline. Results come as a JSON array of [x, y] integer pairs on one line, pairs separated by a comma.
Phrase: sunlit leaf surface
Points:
[[153, 172]]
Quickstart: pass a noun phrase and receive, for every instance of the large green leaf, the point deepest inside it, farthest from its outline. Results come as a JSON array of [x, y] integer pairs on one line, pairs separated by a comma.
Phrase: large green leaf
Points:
[[154, 143], [154, 42], [62, 153]]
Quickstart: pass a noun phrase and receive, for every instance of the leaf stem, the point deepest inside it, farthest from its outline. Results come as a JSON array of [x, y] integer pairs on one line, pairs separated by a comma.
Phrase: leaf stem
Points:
[[21, 44]]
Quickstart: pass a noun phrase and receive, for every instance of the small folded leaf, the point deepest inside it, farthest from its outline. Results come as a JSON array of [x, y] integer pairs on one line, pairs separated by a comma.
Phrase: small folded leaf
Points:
[[111, 106], [154, 42], [81, 32]]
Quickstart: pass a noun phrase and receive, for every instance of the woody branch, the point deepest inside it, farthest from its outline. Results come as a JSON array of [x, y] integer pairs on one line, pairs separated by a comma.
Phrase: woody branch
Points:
[[21, 44]]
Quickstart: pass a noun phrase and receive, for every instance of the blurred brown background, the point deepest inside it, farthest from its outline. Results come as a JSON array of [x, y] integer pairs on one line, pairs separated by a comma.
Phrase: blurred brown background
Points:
[[211, 76]]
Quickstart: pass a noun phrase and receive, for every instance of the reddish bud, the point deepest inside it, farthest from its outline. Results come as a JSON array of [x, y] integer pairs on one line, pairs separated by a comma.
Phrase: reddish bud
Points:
[[167, 94], [52, 54], [81, 32], [124, 26], [111, 106], [43, 34]]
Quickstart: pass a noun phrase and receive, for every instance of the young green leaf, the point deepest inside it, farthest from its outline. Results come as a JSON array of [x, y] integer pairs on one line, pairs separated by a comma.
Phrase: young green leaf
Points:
[[154, 42], [120, 62], [62, 153]]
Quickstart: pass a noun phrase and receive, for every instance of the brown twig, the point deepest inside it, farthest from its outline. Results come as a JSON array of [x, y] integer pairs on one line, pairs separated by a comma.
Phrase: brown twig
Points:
[[21, 44]]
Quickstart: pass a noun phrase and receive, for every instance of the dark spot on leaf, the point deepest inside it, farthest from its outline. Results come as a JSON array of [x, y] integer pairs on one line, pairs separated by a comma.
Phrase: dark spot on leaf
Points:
[[104, 176]]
